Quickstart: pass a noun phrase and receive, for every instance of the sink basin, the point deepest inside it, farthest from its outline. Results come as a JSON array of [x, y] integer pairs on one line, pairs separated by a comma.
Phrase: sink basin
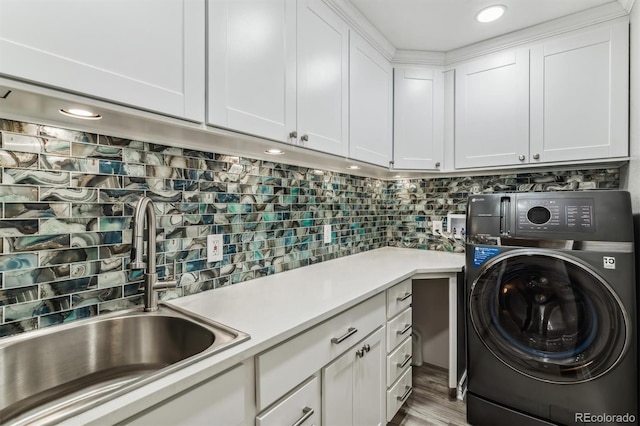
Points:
[[50, 374]]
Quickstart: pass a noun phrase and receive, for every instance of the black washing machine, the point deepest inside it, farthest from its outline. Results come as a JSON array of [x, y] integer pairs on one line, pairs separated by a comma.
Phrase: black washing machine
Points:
[[552, 309]]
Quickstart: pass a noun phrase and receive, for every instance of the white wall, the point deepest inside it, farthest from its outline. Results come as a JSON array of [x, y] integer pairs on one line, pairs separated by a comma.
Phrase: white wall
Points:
[[633, 172]]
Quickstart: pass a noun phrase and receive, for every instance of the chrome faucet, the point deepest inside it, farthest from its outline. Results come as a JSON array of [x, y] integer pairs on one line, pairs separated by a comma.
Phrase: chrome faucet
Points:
[[144, 210]]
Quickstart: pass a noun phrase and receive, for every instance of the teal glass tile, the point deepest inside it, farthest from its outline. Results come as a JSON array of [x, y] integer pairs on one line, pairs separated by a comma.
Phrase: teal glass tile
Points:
[[17, 327], [114, 223], [41, 307], [68, 316], [59, 257], [17, 193]]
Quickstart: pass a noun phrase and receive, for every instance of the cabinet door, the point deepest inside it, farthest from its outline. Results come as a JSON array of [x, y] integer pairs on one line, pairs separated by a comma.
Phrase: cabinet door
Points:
[[579, 96], [418, 140], [492, 111], [323, 78], [220, 401], [129, 52], [370, 103], [369, 382], [353, 386], [252, 66], [337, 390]]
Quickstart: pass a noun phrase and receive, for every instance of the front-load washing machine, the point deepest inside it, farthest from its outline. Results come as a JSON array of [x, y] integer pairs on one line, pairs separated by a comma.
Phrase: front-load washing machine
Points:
[[552, 309]]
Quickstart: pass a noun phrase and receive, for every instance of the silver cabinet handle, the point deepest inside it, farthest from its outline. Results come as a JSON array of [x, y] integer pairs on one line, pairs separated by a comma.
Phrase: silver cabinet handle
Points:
[[437, 164], [293, 134], [306, 413], [536, 156], [304, 138], [403, 298], [366, 347], [405, 362], [360, 353], [406, 328], [521, 158], [406, 394], [350, 332]]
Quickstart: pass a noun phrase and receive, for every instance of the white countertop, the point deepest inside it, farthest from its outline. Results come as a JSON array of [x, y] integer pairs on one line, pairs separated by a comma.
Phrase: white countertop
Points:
[[271, 309]]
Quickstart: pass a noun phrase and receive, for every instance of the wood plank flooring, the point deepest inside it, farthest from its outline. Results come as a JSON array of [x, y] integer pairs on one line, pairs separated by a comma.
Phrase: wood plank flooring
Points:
[[429, 403]]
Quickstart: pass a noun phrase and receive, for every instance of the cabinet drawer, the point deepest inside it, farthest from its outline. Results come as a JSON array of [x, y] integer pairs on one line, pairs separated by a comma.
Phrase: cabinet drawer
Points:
[[399, 360], [280, 369], [398, 329], [398, 298], [398, 394], [302, 406]]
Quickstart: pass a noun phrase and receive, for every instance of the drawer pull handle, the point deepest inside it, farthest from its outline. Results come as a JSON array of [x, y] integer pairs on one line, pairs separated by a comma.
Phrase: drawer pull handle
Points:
[[406, 328], [306, 413], [405, 362], [406, 394], [403, 298], [350, 332]]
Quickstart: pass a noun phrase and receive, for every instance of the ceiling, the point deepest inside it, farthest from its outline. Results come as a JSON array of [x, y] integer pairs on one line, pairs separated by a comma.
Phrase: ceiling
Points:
[[444, 25]]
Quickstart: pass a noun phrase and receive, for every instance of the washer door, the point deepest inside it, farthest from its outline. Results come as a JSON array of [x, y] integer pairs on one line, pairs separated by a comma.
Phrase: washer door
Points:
[[548, 316]]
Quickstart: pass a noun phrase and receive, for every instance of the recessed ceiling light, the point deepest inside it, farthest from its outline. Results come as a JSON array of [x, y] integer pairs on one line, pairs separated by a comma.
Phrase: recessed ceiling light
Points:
[[274, 151], [491, 13], [80, 113], [353, 167]]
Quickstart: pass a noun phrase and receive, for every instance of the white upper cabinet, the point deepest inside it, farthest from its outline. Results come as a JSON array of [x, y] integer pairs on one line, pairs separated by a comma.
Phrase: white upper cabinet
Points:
[[129, 52], [370, 108], [323, 78], [579, 96], [279, 68], [252, 66], [492, 110], [418, 139]]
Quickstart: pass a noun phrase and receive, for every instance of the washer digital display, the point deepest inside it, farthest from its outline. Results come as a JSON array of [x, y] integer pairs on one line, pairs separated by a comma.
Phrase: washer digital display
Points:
[[561, 215]]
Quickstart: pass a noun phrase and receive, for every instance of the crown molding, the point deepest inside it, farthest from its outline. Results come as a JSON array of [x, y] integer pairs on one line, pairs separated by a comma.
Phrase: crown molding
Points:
[[627, 4], [357, 21], [576, 21], [418, 57]]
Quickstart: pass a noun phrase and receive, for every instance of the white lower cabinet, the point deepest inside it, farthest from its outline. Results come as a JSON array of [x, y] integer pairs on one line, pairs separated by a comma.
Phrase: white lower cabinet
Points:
[[282, 368], [344, 356], [399, 346], [300, 407], [353, 385], [223, 400]]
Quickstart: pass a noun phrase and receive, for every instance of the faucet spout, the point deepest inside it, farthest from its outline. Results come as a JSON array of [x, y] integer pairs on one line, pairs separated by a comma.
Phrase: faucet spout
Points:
[[144, 213]]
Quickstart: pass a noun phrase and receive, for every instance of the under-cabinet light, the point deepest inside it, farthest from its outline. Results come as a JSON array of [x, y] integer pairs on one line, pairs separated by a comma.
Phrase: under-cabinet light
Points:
[[80, 113], [274, 151]]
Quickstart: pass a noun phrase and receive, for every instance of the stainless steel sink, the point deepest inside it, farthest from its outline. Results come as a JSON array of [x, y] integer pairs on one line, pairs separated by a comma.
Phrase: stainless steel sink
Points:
[[50, 374]]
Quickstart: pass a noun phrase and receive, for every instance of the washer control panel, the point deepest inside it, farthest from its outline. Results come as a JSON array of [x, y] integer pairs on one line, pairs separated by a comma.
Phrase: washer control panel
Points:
[[557, 214]]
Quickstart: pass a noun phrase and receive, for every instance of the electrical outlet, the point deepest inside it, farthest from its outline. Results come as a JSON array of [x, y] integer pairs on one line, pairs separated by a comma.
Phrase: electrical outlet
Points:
[[327, 234], [437, 227], [214, 248]]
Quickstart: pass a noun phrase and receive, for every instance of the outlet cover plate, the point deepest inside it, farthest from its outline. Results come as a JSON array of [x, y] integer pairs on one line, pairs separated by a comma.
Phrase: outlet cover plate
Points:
[[214, 248], [327, 234]]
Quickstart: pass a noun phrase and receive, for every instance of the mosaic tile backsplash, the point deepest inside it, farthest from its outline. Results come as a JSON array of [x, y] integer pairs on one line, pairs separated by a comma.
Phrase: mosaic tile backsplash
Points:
[[67, 200]]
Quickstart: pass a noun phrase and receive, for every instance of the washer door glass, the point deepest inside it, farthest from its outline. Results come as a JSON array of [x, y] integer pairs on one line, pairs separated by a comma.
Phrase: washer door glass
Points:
[[548, 317]]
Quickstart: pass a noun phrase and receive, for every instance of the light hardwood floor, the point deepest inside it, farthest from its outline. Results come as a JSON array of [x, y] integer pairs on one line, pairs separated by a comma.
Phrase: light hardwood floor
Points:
[[429, 403]]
